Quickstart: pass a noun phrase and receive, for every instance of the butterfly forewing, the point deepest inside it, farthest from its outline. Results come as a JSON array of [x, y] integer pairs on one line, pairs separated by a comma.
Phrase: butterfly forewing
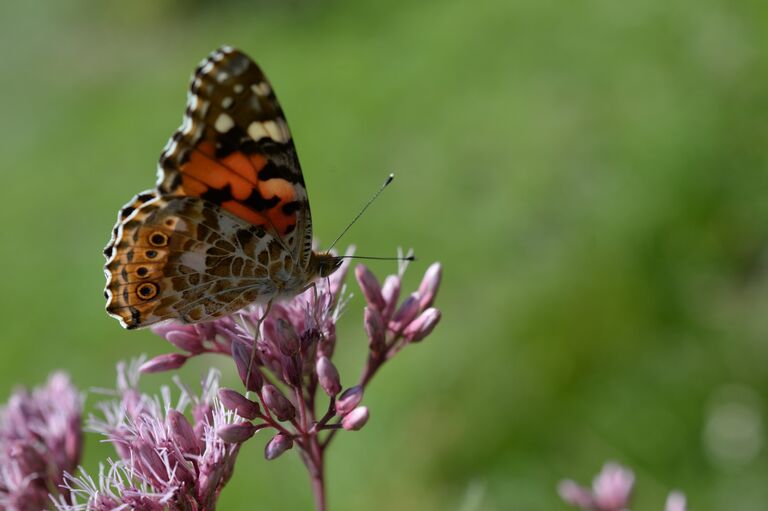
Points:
[[234, 148]]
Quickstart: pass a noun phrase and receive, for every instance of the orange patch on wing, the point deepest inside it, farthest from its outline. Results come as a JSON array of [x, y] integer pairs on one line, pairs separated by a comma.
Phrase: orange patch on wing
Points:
[[238, 171], [258, 161], [282, 223], [216, 175], [277, 188], [245, 167], [191, 186], [245, 213]]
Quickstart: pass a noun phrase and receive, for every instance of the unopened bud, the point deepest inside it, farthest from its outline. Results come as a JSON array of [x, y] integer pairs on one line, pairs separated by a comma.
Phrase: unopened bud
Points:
[[355, 419], [242, 357], [182, 432], [291, 370], [238, 403], [429, 285], [370, 287], [390, 291], [26, 460], [374, 329], [73, 439], [277, 446], [348, 400], [327, 342], [406, 313], [287, 338], [423, 325], [676, 502], [278, 403], [149, 462], [328, 376], [185, 337], [185, 341], [576, 495], [236, 433], [163, 363]]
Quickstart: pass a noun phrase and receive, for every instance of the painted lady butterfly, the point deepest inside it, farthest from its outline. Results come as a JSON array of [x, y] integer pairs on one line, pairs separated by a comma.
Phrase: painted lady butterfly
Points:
[[228, 222]]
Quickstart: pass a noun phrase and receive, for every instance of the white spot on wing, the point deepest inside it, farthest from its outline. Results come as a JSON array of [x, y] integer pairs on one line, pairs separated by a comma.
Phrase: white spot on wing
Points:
[[276, 132], [256, 130], [224, 123], [261, 89], [227, 102], [238, 88]]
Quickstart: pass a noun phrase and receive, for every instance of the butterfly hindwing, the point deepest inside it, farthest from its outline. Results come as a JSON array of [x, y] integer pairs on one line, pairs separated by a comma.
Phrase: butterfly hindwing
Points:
[[183, 258], [234, 149]]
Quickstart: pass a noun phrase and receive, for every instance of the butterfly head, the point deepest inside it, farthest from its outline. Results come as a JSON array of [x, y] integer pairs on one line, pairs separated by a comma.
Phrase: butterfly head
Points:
[[326, 264]]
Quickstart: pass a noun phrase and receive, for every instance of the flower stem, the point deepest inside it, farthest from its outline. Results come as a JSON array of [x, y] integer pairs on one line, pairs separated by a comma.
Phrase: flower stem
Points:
[[318, 479]]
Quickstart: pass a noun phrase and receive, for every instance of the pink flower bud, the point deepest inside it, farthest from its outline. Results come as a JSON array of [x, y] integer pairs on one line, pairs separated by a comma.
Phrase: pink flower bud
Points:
[[185, 341], [328, 376], [423, 325], [278, 403], [676, 502], [185, 337], [327, 342], [575, 494], [277, 446], [238, 403], [182, 432], [406, 313], [73, 441], [390, 291], [242, 357], [612, 487], [163, 363], [370, 287], [28, 459], [149, 462], [374, 328], [355, 419], [348, 400], [429, 285], [236, 433], [287, 338]]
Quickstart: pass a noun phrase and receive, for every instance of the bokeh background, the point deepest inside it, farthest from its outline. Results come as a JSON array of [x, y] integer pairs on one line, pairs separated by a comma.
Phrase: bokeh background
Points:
[[591, 174]]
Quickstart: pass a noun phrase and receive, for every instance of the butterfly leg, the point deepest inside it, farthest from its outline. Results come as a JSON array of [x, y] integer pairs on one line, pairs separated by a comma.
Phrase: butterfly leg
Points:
[[255, 339]]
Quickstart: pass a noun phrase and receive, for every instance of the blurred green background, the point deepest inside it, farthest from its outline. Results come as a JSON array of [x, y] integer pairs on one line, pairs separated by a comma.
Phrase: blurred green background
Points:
[[591, 174]]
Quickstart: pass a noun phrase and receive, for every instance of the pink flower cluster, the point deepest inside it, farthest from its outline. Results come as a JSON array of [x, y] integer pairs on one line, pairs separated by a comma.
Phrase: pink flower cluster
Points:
[[611, 491], [389, 326], [284, 354], [166, 461], [40, 440]]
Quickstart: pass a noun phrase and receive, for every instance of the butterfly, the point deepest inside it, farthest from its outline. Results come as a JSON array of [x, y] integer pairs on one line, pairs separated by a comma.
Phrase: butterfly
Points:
[[228, 223]]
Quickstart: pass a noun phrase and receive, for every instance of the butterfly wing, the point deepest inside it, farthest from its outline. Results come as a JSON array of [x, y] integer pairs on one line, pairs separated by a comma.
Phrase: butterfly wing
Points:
[[175, 257], [234, 149]]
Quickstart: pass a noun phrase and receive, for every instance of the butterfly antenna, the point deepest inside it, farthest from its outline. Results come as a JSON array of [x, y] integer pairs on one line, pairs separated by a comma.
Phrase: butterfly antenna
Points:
[[375, 258], [370, 201]]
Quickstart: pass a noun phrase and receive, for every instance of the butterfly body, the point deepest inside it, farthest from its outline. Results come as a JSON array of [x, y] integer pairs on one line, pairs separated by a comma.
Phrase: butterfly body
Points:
[[228, 223]]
